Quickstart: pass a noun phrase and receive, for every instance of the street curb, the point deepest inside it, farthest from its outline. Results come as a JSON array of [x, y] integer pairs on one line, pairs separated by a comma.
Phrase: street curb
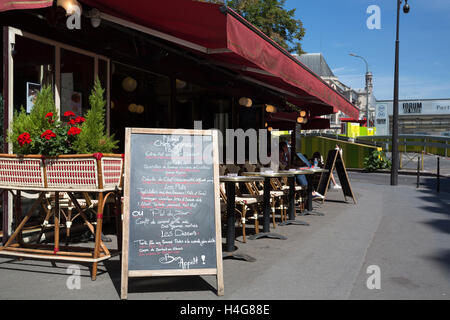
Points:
[[404, 172]]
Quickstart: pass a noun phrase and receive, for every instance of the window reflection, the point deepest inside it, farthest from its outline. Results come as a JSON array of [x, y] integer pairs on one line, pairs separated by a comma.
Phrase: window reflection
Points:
[[77, 81], [33, 68]]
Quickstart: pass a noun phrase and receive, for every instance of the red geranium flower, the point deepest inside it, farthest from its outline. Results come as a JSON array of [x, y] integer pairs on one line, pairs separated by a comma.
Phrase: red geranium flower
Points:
[[72, 122], [73, 131], [50, 116], [79, 120], [24, 138], [48, 134], [69, 114]]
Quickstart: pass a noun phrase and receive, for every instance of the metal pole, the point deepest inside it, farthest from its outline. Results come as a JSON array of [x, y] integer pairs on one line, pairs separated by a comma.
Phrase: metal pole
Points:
[[394, 171], [438, 186], [367, 94], [367, 87], [418, 171]]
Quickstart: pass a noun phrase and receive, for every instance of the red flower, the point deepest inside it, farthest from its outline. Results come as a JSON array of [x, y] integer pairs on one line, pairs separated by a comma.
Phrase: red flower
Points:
[[98, 155], [72, 122], [49, 115], [24, 138], [48, 134], [69, 114], [73, 131], [80, 120]]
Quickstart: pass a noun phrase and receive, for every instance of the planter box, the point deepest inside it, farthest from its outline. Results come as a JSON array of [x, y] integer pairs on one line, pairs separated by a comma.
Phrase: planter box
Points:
[[67, 172]]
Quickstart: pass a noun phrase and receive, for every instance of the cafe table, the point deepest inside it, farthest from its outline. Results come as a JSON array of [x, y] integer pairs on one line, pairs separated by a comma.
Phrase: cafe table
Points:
[[230, 181], [291, 197], [266, 202], [309, 204]]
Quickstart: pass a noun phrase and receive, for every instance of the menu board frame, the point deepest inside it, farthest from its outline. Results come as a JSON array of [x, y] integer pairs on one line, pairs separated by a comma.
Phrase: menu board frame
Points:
[[126, 273]]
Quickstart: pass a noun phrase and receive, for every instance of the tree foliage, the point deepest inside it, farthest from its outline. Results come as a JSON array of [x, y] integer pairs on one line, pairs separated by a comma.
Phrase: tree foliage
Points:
[[93, 136], [274, 20], [34, 123]]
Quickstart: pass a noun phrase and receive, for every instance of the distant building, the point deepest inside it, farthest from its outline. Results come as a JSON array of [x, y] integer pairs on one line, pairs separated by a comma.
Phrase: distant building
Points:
[[317, 63], [422, 116]]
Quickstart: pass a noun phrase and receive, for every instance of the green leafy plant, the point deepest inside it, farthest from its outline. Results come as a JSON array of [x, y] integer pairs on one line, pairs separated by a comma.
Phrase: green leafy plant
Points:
[[93, 137], [34, 123], [377, 160], [41, 131]]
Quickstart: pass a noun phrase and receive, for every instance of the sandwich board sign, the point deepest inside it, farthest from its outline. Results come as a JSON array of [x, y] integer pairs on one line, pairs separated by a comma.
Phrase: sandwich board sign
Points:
[[171, 214], [335, 161]]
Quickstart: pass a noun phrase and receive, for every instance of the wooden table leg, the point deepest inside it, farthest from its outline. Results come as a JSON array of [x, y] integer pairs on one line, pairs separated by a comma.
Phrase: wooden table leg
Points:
[[98, 235], [23, 222], [18, 216], [56, 218], [118, 214]]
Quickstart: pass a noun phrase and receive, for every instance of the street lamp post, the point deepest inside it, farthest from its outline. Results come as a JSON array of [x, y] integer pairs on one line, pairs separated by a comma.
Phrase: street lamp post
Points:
[[367, 87], [395, 158]]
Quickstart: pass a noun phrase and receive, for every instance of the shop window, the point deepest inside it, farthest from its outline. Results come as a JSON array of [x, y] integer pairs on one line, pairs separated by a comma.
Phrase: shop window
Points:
[[77, 81], [103, 73], [33, 68], [138, 99]]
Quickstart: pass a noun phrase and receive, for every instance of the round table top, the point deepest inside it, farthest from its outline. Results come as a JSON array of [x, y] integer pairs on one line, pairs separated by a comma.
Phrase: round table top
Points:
[[240, 179], [314, 170], [298, 172], [266, 174], [305, 171]]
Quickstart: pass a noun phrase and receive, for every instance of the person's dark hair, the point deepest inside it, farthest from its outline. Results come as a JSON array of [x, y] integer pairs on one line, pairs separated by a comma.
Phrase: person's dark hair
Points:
[[317, 155], [283, 144]]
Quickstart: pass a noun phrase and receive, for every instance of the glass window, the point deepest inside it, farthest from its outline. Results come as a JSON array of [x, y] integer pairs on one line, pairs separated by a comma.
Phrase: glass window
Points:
[[138, 99], [33, 68], [77, 81], [103, 73]]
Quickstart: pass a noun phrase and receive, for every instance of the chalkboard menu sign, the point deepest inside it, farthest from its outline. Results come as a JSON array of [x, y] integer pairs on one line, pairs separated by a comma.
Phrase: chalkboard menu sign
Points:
[[335, 161], [171, 216]]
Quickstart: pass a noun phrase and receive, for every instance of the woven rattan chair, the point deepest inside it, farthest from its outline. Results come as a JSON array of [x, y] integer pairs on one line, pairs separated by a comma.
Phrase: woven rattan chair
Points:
[[246, 203]]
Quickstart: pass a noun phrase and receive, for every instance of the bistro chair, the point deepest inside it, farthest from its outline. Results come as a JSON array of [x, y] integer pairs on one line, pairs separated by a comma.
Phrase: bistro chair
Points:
[[246, 203], [300, 192], [276, 197]]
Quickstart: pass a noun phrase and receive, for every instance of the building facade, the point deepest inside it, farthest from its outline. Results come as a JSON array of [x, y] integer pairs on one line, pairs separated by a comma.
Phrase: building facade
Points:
[[422, 116], [317, 63]]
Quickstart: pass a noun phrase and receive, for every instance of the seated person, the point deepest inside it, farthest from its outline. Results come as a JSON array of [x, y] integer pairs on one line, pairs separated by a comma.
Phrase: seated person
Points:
[[300, 161], [320, 164]]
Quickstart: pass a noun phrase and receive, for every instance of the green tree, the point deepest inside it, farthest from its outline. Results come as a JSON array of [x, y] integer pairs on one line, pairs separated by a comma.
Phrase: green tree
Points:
[[274, 20]]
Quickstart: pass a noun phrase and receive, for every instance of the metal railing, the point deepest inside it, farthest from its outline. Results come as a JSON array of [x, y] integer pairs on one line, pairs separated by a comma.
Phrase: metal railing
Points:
[[438, 145]]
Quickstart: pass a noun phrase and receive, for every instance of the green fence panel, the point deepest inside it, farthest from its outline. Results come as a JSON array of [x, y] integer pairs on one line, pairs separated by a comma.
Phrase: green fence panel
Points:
[[353, 153]]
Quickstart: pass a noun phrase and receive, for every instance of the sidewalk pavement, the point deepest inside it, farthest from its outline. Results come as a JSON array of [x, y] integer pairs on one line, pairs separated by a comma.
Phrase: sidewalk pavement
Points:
[[402, 230]]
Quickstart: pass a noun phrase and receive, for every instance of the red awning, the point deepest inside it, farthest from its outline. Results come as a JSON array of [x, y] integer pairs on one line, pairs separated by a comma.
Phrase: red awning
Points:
[[24, 4], [316, 124], [227, 39], [288, 120], [224, 38]]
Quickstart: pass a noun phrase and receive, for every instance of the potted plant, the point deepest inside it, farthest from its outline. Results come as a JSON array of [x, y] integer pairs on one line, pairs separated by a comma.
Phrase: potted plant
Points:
[[75, 152]]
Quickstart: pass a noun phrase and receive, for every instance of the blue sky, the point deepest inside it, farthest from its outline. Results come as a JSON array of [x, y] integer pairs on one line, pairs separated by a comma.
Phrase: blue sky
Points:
[[337, 28]]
